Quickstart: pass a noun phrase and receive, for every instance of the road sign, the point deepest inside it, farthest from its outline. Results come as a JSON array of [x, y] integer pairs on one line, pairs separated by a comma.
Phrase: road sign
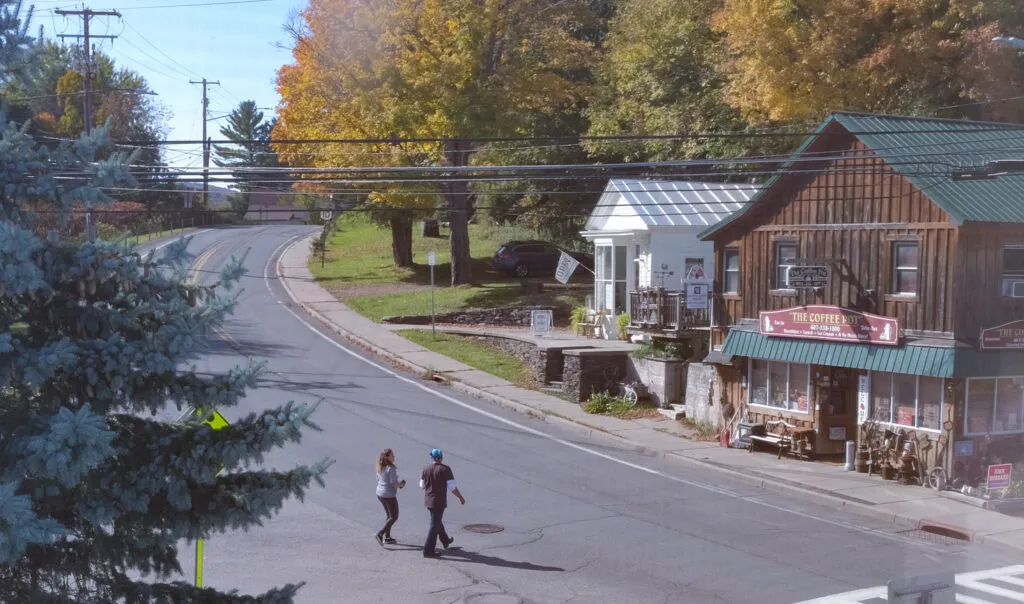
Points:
[[326, 215], [217, 422], [431, 259]]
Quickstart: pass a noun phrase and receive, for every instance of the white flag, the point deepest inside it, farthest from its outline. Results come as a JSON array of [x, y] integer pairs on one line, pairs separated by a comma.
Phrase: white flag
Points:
[[566, 267]]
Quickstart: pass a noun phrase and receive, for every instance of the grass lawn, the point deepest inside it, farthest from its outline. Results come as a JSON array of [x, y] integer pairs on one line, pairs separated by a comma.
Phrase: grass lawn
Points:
[[474, 354], [358, 269]]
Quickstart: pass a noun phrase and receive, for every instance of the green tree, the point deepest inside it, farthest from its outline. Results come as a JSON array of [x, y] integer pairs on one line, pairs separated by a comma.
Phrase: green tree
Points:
[[95, 489], [249, 151], [658, 76]]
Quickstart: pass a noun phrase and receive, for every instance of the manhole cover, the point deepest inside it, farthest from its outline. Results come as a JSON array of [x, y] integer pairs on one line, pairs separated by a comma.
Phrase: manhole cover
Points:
[[483, 528]]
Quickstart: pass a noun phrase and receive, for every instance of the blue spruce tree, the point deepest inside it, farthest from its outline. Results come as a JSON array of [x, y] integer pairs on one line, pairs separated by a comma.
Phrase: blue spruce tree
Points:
[[95, 492]]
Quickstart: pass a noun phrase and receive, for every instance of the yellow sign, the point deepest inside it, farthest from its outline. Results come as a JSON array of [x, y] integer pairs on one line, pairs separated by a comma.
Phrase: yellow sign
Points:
[[216, 422]]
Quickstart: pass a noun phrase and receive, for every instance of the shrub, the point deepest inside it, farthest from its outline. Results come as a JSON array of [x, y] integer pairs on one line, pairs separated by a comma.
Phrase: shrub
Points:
[[600, 402], [666, 351], [578, 316], [623, 323]]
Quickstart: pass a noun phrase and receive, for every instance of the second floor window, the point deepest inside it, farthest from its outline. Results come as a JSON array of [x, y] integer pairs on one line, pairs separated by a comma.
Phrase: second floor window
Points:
[[731, 271], [785, 255], [1013, 271], [906, 262]]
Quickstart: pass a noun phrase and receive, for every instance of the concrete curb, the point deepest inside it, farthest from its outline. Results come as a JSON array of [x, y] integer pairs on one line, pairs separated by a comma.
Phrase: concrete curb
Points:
[[773, 484]]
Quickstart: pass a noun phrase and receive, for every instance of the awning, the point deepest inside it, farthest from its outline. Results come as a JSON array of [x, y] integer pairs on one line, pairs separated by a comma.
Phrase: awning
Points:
[[717, 357], [912, 359]]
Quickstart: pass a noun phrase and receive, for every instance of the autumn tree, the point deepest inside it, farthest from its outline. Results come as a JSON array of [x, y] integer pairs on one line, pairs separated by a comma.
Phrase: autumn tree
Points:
[[453, 70], [800, 59]]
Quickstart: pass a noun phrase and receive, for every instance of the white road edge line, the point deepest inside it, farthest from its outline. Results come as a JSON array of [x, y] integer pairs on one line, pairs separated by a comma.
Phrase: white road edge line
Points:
[[555, 439]]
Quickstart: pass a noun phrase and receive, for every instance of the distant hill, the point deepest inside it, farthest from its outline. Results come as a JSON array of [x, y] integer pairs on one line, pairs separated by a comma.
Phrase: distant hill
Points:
[[218, 195]]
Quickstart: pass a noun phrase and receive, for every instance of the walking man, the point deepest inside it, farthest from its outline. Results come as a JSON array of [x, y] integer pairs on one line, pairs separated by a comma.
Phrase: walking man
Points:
[[436, 481]]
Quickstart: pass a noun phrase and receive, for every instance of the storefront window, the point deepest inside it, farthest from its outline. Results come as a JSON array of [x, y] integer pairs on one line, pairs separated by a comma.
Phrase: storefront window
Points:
[[907, 400], [778, 376], [995, 405], [1009, 399], [758, 382], [780, 385], [904, 398], [929, 403], [798, 396], [881, 396]]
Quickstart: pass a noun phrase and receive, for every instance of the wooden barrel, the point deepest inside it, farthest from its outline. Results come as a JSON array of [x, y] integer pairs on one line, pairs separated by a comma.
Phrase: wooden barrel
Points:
[[860, 461]]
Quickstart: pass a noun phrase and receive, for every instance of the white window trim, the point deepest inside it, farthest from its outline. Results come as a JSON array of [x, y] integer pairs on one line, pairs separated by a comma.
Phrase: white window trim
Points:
[[897, 268], [750, 386], [917, 402], [601, 282], [726, 270], [995, 407], [783, 284]]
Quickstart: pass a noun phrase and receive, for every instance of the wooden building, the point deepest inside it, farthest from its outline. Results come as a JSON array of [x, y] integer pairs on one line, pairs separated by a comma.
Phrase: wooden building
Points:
[[867, 276]]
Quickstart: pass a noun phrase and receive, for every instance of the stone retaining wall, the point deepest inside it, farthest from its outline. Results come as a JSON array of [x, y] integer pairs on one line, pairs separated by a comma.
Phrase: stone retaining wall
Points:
[[517, 317], [587, 371]]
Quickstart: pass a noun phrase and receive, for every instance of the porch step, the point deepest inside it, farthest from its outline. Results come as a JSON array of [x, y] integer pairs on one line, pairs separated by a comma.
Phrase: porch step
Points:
[[553, 386], [676, 412]]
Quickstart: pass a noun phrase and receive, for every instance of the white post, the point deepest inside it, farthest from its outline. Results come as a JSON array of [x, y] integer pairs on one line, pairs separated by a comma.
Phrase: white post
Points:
[[431, 260]]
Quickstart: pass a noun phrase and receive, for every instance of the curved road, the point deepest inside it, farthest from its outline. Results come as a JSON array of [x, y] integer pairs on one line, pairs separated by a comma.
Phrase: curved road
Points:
[[586, 518]]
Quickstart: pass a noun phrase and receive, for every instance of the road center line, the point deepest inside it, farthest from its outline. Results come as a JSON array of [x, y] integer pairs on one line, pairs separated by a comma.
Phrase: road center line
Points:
[[555, 439]]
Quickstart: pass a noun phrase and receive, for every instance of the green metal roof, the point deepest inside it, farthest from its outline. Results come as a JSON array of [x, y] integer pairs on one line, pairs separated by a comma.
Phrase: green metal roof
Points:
[[926, 151], [913, 359], [916, 360]]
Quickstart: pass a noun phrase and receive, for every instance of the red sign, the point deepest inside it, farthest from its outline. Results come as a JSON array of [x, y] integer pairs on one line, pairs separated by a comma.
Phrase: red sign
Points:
[[999, 476], [833, 323], [1007, 335]]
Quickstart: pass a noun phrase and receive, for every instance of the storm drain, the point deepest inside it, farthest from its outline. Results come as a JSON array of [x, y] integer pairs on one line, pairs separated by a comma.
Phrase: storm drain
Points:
[[938, 534], [486, 529]]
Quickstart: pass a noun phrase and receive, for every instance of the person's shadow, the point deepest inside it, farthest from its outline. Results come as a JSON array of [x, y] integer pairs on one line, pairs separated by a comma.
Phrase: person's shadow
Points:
[[457, 553]]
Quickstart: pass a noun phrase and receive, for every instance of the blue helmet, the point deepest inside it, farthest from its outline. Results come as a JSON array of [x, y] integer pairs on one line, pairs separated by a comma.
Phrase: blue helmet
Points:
[[435, 454]]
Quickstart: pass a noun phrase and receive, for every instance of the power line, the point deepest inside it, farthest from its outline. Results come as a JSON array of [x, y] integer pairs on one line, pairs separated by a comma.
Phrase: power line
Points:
[[582, 138]]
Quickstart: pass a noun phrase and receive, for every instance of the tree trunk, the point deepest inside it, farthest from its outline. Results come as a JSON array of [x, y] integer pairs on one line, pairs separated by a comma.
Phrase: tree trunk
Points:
[[401, 239], [460, 203]]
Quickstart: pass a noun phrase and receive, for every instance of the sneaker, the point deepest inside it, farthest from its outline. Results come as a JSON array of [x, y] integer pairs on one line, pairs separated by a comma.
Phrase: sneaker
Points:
[[431, 555], [447, 544], [390, 541], [380, 539]]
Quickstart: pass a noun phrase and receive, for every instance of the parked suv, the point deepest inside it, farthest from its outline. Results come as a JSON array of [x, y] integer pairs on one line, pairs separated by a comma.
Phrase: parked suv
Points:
[[530, 258]]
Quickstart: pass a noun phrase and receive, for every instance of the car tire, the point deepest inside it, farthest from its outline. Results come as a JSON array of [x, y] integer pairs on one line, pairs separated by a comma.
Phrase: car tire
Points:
[[521, 270]]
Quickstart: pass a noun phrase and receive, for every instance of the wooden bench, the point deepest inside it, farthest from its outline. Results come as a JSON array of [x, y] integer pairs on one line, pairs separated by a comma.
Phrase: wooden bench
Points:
[[792, 440]]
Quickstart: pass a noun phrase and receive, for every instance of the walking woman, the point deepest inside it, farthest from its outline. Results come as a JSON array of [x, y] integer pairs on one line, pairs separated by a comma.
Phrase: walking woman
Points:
[[387, 492]]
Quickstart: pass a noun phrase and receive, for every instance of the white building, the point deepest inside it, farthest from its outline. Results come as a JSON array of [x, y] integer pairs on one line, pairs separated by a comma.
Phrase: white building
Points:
[[645, 235]]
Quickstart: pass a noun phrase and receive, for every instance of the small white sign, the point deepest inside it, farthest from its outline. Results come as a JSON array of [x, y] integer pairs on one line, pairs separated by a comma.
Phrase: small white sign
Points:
[[863, 400], [540, 322], [566, 267], [697, 295], [431, 259]]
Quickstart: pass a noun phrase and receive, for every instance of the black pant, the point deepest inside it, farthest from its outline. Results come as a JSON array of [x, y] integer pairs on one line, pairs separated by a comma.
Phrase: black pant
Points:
[[391, 510], [436, 530]]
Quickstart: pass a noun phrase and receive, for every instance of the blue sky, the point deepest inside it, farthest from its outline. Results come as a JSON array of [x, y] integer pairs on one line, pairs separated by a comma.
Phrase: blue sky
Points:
[[171, 42]]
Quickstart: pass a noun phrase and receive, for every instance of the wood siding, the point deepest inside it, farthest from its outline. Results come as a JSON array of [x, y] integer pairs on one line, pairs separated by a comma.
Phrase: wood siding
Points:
[[847, 216], [979, 267]]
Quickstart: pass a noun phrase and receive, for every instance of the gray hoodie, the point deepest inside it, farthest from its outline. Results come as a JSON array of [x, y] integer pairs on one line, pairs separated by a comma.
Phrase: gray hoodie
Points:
[[387, 482]]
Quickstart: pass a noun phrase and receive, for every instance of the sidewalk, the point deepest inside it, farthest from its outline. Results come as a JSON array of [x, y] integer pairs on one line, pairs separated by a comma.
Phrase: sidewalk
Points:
[[829, 484]]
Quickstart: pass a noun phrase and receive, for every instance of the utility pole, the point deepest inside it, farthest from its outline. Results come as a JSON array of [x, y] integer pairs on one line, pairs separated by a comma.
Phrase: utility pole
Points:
[[206, 141], [86, 15]]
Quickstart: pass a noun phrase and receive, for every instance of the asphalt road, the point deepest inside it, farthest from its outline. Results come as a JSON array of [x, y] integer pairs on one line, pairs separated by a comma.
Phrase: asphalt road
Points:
[[586, 518]]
